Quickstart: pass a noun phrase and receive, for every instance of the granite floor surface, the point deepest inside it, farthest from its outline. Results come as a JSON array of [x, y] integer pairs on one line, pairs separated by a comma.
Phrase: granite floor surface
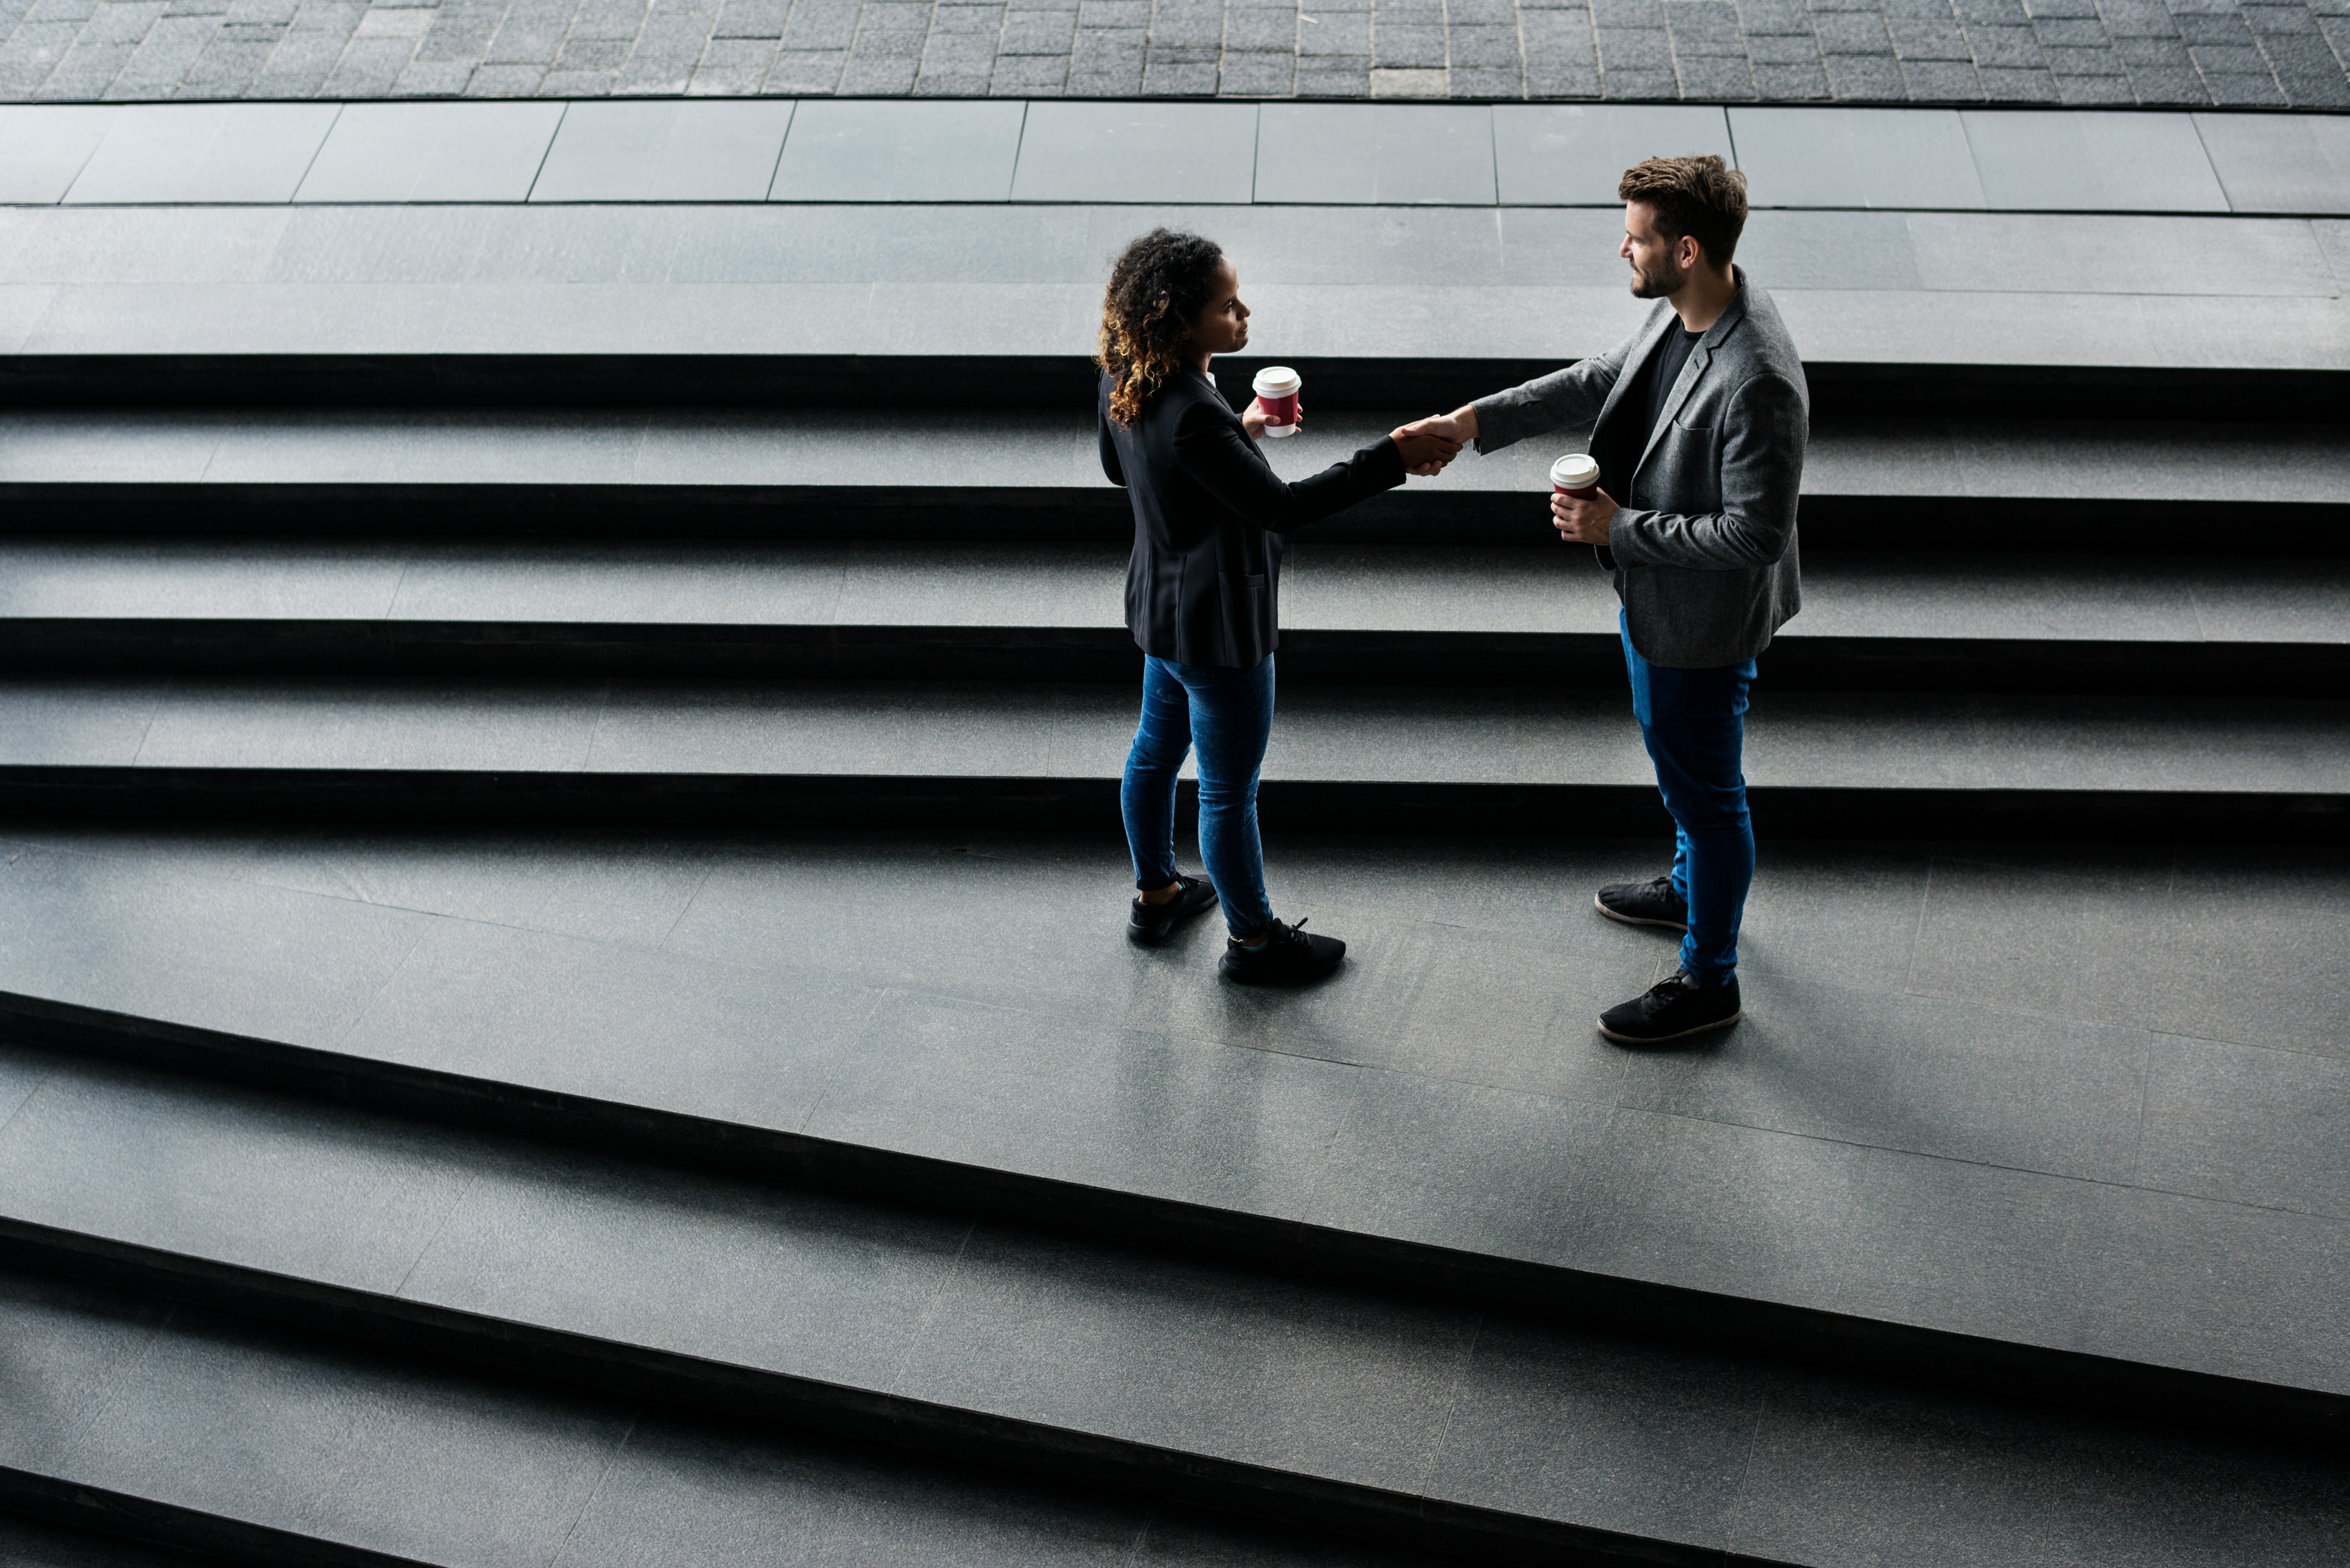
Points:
[[2084, 1099]]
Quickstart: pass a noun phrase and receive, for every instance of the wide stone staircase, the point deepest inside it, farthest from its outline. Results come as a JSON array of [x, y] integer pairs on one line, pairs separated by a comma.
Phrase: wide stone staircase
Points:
[[564, 997]]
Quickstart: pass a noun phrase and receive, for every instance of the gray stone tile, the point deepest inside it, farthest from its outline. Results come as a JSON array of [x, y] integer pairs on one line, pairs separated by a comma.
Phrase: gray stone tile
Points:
[[43, 148], [206, 1171], [1845, 158], [679, 1493], [850, 152], [518, 727], [197, 580], [1606, 1433], [2041, 930], [615, 1022], [432, 152], [1956, 1482], [2254, 950], [2279, 163], [748, 1274], [1461, 1165], [1959, 1079], [1349, 1387], [1831, 250], [1829, 914], [2115, 253], [386, 1459], [2248, 1125], [1712, 1207], [1388, 153], [1574, 155], [604, 888], [2283, 601], [664, 151], [841, 729], [70, 1347], [2092, 162], [1137, 153], [1488, 1008], [1967, 1247], [196, 950], [22, 1068]]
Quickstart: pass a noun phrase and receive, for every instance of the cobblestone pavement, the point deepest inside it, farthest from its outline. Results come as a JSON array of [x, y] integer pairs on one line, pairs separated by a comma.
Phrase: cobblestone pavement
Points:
[[2184, 52]]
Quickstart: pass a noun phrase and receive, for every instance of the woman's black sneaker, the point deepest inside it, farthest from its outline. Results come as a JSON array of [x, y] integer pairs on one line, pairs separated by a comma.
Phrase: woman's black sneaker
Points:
[[1672, 1010], [1644, 904], [1289, 957], [1149, 923]]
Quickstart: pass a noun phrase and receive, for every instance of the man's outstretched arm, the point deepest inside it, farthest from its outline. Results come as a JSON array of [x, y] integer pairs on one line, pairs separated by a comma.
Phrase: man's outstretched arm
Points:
[[1566, 398]]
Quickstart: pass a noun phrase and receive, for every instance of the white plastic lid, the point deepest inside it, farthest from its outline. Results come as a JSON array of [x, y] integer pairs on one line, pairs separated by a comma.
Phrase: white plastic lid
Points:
[[1276, 382], [1576, 470]]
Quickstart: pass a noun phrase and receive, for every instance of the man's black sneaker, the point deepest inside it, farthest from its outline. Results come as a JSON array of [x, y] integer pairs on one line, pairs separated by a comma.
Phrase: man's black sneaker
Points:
[[1644, 904], [1289, 957], [1148, 923], [1672, 1010]]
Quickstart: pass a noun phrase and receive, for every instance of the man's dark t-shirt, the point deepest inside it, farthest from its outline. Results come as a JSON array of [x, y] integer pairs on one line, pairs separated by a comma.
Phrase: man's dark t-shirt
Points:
[[1644, 401]]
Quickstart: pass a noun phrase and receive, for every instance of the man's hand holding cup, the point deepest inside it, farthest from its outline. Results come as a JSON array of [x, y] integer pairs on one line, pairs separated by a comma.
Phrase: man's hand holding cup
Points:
[[1579, 509]]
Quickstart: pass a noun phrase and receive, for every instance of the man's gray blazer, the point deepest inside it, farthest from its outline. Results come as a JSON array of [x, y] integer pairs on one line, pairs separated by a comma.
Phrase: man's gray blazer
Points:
[[1705, 540]]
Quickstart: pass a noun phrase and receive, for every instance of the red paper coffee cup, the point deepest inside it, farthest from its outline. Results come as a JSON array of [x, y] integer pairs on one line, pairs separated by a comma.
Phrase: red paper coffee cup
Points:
[[1277, 388], [1575, 475]]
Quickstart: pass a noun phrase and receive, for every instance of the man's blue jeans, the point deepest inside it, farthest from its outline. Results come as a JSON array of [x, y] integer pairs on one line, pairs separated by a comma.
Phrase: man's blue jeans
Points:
[[1228, 714], [1694, 724]]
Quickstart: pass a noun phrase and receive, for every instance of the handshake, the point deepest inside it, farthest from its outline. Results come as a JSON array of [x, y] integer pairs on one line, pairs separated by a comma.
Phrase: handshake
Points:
[[1429, 444], [1581, 516]]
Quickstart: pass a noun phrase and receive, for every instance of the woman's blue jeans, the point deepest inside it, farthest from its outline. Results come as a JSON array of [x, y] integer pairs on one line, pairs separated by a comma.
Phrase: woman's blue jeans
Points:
[[1228, 714], [1694, 724]]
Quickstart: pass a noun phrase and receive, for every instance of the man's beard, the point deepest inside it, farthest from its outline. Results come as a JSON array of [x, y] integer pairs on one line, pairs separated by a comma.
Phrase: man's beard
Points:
[[1655, 282]]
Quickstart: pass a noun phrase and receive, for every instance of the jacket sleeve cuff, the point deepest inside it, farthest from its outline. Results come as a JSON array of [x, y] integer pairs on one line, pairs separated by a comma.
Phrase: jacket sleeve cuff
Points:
[[1386, 462], [1500, 422], [1628, 537]]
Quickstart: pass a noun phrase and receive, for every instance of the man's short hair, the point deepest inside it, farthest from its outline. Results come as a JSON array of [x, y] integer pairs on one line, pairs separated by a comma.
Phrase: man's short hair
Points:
[[1699, 196]]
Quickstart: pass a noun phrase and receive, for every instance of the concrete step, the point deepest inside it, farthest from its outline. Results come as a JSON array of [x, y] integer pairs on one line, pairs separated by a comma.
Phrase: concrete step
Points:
[[1353, 613], [2131, 486], [1420, 1425], [1348, 758], [2051, 1121], [237, 1439], [865, 304]]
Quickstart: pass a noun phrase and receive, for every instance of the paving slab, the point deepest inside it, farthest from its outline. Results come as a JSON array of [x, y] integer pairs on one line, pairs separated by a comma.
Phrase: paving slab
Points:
[[2275, 163], [1574, 155], [205, 153], [1137, 152], [1913, 158], [432, 152], [673, 150], [1390, 155], [2091, 160], [865, 151], [43, 148]]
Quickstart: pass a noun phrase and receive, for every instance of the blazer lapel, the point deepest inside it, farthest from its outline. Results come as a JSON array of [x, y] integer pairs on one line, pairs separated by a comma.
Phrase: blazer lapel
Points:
[[1642, 347], [1699, 357]]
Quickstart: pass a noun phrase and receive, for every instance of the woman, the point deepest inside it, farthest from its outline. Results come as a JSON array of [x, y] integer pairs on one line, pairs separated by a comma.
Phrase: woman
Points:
[[1202, 586]]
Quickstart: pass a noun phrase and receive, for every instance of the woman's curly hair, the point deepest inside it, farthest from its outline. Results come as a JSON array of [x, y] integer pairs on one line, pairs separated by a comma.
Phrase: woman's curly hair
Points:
[[1157, 290]]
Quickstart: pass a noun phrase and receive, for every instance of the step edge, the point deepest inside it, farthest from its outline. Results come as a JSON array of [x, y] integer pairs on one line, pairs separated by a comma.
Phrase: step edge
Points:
[[1906, 1353]]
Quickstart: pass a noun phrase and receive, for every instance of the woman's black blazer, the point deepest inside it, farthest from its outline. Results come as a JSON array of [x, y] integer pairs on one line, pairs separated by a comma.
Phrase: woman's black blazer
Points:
[[1203, 584]]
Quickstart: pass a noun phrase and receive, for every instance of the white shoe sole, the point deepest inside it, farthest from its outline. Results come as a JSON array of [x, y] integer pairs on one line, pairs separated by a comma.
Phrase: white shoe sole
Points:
[[1635, 920]]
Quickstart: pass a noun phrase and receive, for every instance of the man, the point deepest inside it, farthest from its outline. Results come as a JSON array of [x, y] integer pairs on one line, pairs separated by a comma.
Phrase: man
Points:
[[1699, 425]]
